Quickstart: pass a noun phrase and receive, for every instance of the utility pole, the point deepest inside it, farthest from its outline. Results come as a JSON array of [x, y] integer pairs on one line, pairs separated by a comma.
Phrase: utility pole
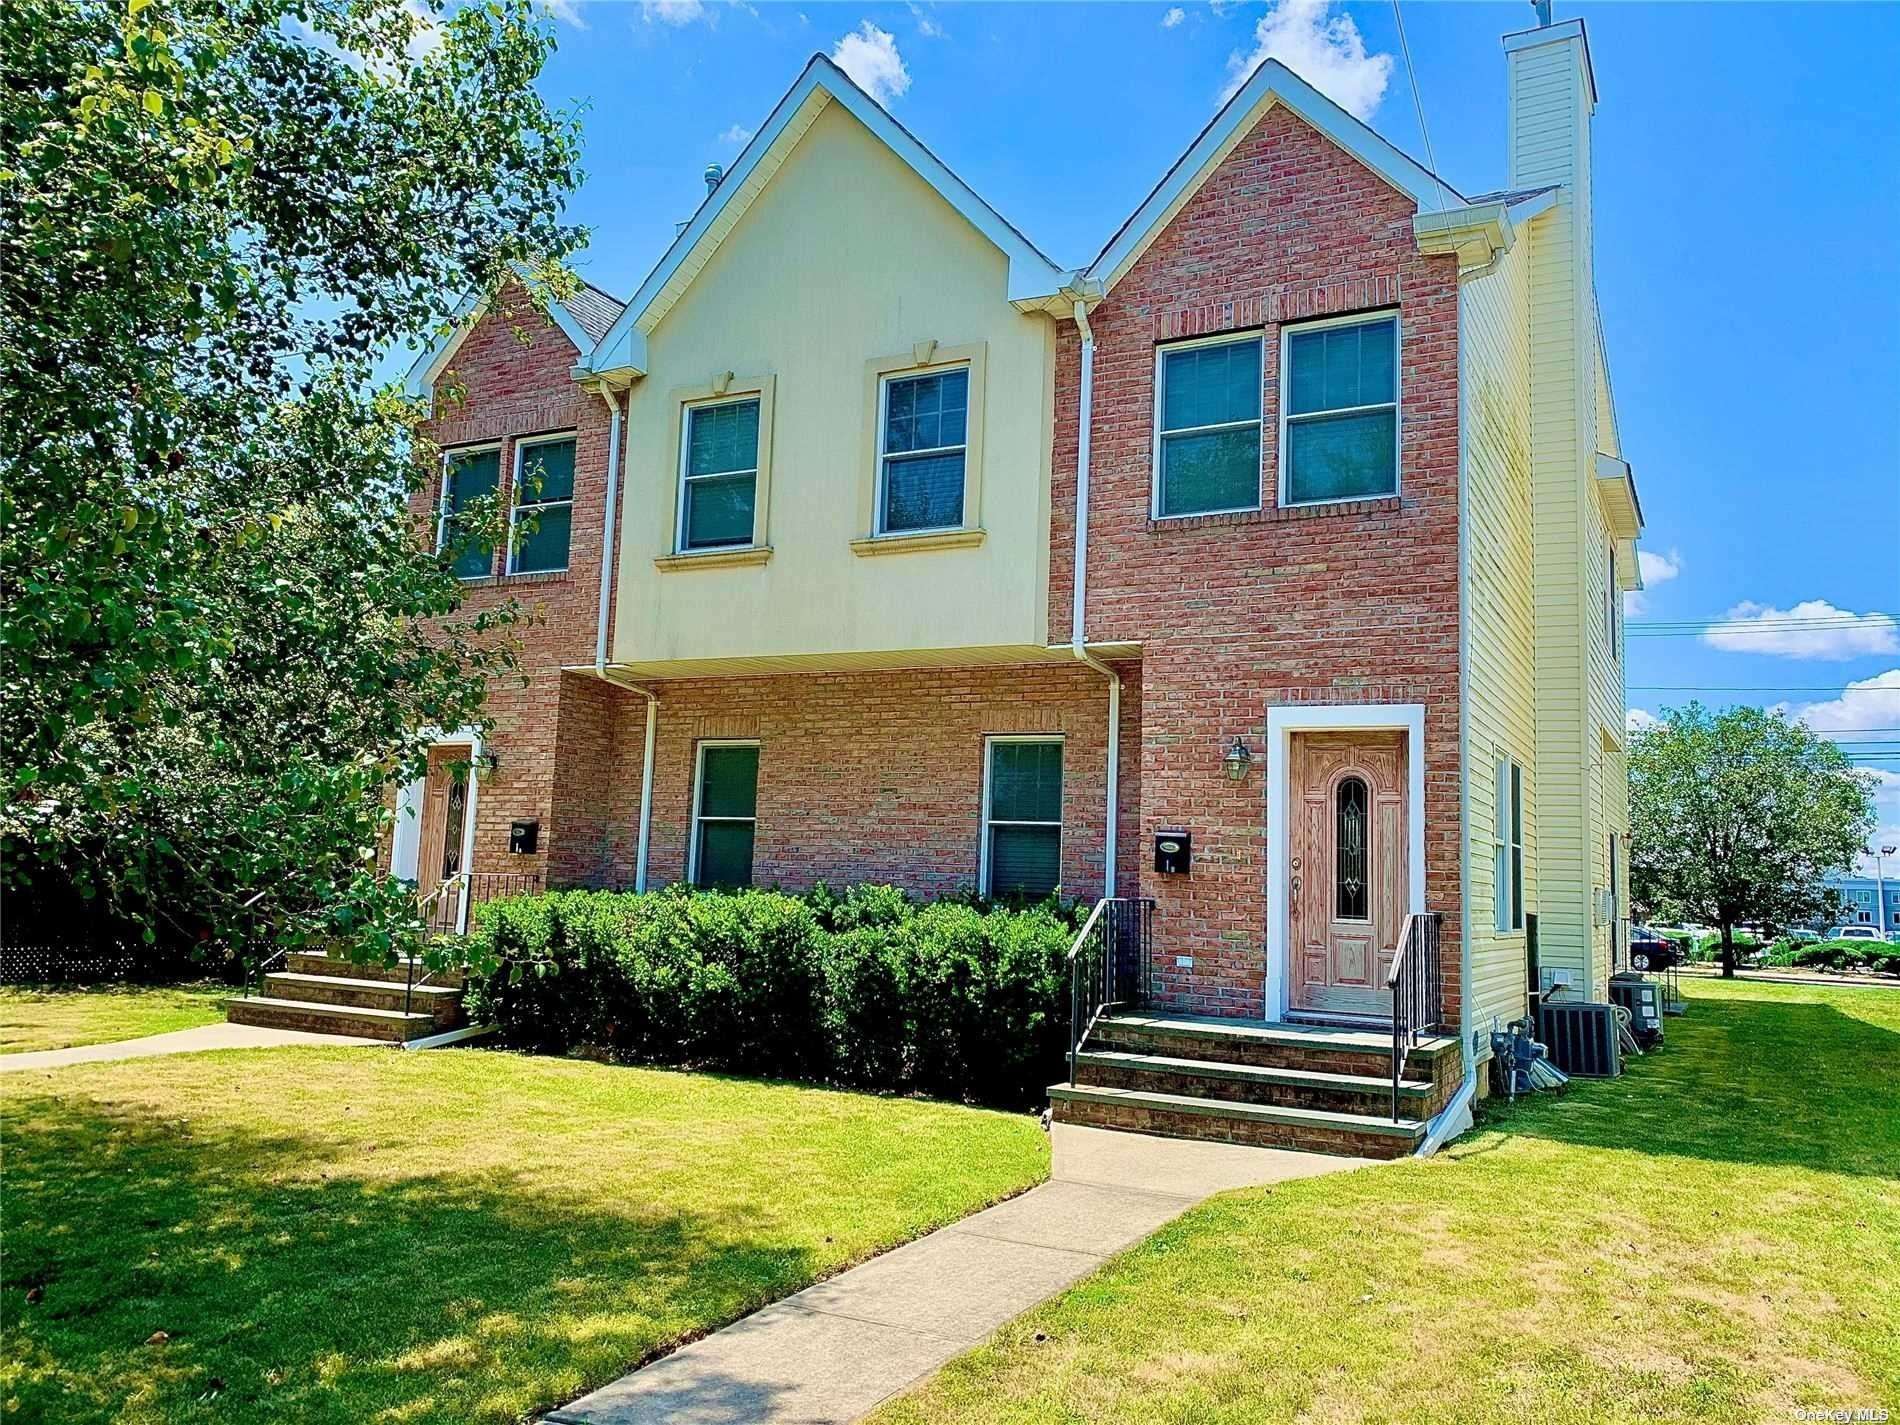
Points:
[[1881, 918]]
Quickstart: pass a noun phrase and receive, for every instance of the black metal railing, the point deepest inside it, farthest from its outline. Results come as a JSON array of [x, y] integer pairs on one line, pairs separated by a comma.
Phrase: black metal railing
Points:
[[442, 912], [1417, 986], [1111, 964]]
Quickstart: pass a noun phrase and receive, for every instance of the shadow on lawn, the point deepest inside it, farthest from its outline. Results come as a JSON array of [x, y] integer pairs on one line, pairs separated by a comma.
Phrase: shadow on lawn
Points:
[[1741, 1081], [322, 1295]]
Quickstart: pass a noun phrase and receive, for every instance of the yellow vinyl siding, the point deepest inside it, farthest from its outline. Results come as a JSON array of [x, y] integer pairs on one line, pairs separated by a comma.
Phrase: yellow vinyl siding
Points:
[[845, 257], [1500, 651]]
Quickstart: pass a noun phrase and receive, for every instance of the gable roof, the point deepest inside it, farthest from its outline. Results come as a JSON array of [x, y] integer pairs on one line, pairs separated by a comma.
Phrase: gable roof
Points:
[[1032, 274], [583, 318], [1272, 83]]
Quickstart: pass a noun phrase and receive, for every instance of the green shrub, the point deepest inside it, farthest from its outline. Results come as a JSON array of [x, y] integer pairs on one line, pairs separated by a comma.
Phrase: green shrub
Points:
[[958, 999]]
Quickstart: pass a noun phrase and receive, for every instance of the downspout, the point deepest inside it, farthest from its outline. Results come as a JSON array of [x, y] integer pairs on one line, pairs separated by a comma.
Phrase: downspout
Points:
[[1085, 407], [600, 636]]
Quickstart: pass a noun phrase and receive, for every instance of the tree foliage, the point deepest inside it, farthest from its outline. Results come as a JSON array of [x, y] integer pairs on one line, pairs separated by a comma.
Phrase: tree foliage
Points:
[[1737, 816], [223, 638]]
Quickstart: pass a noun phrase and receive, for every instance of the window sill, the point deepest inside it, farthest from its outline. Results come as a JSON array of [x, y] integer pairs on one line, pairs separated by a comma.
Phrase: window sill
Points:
[[917, 543], [1280, 514], [740, 557]]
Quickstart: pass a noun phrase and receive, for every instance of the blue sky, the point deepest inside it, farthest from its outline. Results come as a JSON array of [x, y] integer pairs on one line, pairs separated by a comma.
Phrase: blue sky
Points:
[[1748, 238]]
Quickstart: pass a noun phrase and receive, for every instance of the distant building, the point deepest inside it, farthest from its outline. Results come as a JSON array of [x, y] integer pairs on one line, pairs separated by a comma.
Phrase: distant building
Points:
[[1858, 894]]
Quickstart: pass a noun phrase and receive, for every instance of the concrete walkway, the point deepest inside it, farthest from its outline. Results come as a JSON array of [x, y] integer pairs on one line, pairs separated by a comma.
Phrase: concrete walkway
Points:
[[835, 1350], [179, 1041]]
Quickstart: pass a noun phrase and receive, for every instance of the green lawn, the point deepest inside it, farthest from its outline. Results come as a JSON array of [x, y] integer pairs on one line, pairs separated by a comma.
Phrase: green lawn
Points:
[[357, 1235], [103, 1014], [1713, 1237]]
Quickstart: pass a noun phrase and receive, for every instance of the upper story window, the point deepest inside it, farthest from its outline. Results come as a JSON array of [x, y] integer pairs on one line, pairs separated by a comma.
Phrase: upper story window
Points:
[[719, 472], [544, 499], [1612, 597], [467, 477], [1207, 419], [922, 449], [1339, 423]]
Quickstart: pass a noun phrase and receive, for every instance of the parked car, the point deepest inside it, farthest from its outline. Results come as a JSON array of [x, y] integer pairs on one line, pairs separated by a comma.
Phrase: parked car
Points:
[[1856, 932], [1805, 937], [1649, 950]]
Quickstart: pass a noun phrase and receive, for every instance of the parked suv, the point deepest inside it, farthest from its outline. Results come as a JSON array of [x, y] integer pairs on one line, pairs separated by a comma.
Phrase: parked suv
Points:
[[1650, 951], [1856, 932]]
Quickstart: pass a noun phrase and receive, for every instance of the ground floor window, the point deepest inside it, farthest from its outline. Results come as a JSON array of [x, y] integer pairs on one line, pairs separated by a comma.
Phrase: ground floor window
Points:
[[725, 814], [1508, 873], [1022, 816]]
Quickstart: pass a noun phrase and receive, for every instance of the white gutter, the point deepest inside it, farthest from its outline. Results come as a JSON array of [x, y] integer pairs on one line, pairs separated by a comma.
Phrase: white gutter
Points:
[[1085, 408], [600, 669]]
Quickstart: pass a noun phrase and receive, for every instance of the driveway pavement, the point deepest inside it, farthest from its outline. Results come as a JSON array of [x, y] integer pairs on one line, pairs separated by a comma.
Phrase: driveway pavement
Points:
[[834, 1351]]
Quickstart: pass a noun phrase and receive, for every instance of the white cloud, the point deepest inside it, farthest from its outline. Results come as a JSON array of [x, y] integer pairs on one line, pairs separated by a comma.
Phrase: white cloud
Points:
[[738, 136], [1174, 17], [1887, 819], [1639, 720], [672, 12], [1656, 569], [567, 10], [1824, 631], [869, 55], [425, 38], [1865, 705], [926, 26], [1323, 48]]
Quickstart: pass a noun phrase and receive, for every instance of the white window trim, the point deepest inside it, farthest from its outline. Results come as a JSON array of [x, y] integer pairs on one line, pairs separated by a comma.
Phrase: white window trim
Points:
[[1397, 403], [516, 505], [1162, 352], [680, 546], [450, 455], [983, 829], [699, 786], [879, 529], [1507, 877]]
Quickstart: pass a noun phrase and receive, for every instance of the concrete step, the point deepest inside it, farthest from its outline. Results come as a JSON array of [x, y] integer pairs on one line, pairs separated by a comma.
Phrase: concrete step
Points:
[[1260, 1125], [443, 1002], [312, 1018], [1318, 1048], [316, 962], [1362, 1094]]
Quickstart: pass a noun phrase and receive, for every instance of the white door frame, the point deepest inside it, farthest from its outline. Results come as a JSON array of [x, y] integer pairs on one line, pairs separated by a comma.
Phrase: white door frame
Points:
[[1282, 723], [405, 842]]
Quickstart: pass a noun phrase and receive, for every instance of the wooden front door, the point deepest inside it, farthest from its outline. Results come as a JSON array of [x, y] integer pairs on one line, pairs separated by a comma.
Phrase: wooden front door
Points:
[[444, 815], [1347, 871]]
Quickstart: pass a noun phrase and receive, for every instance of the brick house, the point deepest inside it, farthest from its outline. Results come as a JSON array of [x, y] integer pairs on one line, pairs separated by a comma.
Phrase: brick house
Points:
[[1263, 576]]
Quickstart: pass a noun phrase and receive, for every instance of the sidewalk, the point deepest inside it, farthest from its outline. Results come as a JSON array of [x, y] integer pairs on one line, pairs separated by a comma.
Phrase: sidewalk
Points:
[[180, 1041], [835, 1350]]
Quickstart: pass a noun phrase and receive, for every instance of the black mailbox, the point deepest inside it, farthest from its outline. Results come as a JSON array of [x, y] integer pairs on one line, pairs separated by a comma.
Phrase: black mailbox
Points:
[[523, 836], [1172, 852]]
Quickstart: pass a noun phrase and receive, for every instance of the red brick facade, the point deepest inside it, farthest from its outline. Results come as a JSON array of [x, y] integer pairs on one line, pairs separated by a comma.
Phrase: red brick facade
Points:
[[878, 776], [1236, 613]]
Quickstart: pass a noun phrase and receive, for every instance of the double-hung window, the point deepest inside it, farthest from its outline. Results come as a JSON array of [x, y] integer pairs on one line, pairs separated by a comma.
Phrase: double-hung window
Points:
[[542, 519], [1339, 424], [1207, 418], [1507, 885], [468, 476], [719, 474], [725, 814], [1022, 816], [923, 445]]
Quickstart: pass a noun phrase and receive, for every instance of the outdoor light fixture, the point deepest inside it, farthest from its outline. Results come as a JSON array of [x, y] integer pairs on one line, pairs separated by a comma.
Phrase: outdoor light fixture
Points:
[[1238, 761]]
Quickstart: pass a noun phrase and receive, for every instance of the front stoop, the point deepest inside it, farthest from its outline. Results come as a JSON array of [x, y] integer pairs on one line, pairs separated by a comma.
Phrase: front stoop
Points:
[[1307, 1087], [319, 995]]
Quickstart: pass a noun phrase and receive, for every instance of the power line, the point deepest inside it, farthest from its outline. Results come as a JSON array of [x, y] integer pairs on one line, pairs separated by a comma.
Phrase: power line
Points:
[[1418, 100]]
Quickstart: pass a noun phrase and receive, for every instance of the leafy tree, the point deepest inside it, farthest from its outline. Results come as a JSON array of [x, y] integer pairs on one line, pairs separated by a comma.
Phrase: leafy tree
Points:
[[223, 635], [1736, 817]]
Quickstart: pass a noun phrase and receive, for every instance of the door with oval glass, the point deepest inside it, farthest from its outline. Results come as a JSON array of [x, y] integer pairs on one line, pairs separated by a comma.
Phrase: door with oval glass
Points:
[[1347, 873]]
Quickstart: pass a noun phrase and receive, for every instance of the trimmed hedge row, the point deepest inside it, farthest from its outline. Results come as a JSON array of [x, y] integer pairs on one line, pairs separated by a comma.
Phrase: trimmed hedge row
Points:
[[1840, 955], [954, 999]]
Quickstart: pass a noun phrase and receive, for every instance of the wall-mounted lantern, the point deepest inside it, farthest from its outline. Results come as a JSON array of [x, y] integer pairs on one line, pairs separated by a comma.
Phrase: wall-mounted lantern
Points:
[[1238, 761]]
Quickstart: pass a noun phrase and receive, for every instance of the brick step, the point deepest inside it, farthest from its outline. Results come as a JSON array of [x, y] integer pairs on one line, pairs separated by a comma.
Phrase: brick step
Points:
[[271, 1013], [1312, 1047], [444, 1002], [1361, 1094], [1258, 1125], [315, 962]]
